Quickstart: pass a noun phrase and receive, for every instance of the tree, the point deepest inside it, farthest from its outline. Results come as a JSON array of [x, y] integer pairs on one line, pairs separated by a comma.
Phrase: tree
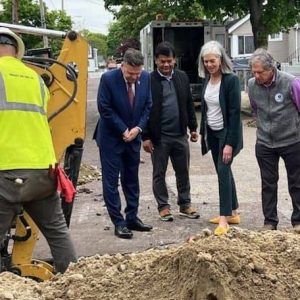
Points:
[[125, 45], [114, 38], [96, 40], [134, 15], [29, 15], [266, 17]]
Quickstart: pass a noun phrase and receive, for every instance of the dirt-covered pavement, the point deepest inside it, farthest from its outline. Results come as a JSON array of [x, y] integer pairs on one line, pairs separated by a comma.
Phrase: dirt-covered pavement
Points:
[[160, 264], [92, 229]]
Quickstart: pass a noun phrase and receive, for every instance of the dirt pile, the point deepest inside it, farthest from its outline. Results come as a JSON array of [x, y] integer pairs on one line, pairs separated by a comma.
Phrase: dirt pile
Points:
[[243, 265], [88, 173]]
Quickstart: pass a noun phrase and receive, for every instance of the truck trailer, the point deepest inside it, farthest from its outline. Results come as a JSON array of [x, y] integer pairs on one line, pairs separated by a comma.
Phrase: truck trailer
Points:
[[187, 39]]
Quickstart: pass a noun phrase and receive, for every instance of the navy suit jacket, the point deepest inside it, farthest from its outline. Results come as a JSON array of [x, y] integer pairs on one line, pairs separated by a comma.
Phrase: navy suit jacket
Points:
[[116, 113]]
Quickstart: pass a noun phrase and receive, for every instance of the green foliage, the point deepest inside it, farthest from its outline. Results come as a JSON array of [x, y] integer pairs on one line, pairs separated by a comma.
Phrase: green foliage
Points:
[[58, 20], [115, 36], [134, 15], [96, 40], [266, 18], [29, 15]]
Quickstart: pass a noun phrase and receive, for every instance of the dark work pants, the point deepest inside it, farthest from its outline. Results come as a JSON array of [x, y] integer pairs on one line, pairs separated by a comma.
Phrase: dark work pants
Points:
[[227, 190], [268, 160], [39, 198], [177, 149], [126, 164]]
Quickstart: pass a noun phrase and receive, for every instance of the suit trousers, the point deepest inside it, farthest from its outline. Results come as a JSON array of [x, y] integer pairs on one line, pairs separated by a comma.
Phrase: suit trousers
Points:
[[125, 163], [268, 160], [227, 191], [42, 203], [177, 149]]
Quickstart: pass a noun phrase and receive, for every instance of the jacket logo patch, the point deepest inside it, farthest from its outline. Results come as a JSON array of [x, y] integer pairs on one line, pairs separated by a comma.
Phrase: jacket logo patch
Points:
[[279, 98]]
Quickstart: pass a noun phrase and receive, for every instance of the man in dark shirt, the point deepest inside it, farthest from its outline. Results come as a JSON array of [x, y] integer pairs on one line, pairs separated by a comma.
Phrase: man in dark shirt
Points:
[[166, 133]]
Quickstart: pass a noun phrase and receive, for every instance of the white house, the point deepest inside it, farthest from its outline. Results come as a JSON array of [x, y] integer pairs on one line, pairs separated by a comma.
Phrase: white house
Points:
[[283, 46]]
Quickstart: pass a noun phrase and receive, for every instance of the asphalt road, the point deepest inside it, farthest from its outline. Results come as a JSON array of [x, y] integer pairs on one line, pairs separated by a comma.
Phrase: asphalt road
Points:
[[92, 230]]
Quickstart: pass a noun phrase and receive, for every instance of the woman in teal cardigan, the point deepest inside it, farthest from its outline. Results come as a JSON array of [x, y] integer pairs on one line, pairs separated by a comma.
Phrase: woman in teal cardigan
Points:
[[221, 127]]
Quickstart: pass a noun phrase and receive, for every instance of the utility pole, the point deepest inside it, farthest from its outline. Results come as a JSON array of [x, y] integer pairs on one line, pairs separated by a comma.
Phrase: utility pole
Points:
[[15, 11], [62, 5], [43, 21]]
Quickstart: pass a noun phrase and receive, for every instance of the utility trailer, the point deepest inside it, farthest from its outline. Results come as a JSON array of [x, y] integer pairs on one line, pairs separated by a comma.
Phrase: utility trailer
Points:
[[187, 39]]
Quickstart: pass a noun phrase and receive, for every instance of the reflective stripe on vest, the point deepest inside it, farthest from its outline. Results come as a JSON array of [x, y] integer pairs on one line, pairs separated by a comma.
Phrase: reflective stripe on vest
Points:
[[8, 105], [25, 139]]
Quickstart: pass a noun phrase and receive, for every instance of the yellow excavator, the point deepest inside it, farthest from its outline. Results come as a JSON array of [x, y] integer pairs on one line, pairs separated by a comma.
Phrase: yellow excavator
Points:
[[66, 79]]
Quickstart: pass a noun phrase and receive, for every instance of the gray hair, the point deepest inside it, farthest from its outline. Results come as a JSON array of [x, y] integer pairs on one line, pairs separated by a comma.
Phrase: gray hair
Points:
[[133, 57], [214, 47], [264, 57]]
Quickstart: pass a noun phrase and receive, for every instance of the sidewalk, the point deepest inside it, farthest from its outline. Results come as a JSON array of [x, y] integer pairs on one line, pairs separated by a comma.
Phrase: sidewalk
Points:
[[247, 178]]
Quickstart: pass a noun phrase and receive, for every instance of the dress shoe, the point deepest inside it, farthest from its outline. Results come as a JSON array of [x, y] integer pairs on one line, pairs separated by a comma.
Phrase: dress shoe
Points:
[[138, 225], [230, 219], [123, 232]]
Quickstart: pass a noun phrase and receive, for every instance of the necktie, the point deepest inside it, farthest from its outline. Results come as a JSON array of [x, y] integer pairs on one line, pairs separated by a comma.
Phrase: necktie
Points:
[[130, 93]]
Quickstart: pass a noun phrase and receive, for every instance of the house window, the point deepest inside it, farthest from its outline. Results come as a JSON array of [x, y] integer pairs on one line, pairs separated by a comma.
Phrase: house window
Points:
[[246, 44], [275, 37], [220, 38]]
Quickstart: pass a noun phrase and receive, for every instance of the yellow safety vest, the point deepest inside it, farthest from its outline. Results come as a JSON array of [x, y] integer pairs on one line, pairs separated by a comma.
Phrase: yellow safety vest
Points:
[[25, 138]]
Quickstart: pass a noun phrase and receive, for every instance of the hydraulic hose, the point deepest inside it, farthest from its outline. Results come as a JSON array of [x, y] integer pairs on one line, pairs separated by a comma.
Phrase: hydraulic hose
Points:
[[72, 76]]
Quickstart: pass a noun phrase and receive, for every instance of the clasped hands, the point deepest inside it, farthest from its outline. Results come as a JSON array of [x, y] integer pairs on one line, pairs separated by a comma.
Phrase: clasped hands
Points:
[[130, 135]]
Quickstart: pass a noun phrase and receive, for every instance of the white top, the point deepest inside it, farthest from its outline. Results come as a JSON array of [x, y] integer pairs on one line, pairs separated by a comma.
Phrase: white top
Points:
[[214, 113]]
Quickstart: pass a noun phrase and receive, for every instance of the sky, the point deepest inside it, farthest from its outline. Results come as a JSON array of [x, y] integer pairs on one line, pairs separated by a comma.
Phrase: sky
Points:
[[85, 14]]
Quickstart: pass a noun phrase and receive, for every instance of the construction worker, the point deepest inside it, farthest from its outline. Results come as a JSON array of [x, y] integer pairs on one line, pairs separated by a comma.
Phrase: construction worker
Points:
[[26, 152]]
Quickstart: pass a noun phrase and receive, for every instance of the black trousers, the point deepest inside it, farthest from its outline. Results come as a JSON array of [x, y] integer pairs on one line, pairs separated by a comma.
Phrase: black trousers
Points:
[[268, 159], [177, 149], [227, 190]]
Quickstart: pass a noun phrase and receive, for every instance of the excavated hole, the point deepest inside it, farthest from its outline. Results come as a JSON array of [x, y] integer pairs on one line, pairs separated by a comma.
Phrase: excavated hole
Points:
[[211, 296]]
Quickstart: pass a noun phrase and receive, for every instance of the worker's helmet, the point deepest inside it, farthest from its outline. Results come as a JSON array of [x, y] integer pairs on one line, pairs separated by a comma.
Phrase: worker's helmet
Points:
[[8, 37]]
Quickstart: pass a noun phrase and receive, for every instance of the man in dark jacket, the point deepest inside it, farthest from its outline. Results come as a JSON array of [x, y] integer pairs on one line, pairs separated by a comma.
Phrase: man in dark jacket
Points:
[[166, 133], [124, 102]]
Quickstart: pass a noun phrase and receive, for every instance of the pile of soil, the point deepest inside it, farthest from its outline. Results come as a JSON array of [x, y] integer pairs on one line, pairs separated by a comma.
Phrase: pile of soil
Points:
[[88, 173], [242, 265]]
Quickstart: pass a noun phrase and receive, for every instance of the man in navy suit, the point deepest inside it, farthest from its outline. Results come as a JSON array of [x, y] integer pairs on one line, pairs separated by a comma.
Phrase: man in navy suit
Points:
[[124, 103]]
